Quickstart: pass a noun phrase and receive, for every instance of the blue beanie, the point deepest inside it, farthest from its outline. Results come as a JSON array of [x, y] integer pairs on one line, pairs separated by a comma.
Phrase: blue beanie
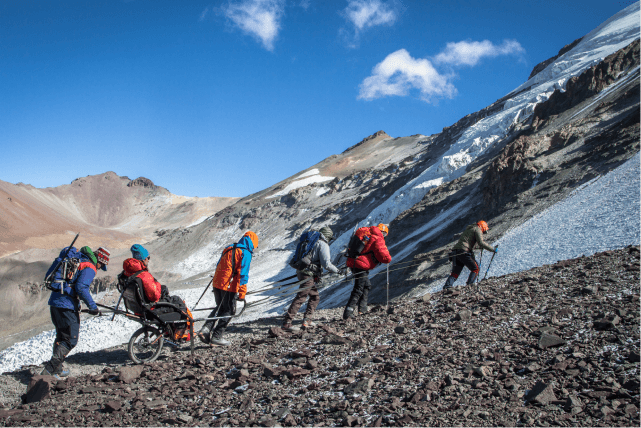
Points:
[[139, 252]]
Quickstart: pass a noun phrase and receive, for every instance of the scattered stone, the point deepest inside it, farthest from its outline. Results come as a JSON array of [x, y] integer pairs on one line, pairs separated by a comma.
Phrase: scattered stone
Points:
[[39, 388], [463, 315], [550, 340], [129, 373], [541, 393], [360, 387]]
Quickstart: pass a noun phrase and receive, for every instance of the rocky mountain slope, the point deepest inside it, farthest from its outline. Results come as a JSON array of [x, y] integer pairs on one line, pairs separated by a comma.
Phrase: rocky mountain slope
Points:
[[556, 345]]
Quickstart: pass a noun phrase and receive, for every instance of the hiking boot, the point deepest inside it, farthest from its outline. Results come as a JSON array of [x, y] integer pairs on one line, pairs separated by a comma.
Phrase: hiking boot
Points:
[[308, 323], [204, 337], [449, 283], [289, 327], [472, 278], [348, 313], [220, 341]]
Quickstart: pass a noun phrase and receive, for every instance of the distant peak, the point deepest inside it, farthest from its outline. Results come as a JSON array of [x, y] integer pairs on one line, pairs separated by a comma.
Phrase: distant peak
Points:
[[380, 133]]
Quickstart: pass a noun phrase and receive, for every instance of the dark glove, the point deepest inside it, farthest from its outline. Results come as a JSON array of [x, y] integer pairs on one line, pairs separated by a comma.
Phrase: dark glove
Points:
[[95, 312], [317, 280], [164, 291], [343, 271], [496, 249]]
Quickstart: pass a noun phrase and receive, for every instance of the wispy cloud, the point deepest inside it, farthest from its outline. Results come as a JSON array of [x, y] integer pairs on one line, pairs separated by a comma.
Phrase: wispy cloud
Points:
[[399, 73], [364, 14], [203, 14], [470, 53], [260, 19]]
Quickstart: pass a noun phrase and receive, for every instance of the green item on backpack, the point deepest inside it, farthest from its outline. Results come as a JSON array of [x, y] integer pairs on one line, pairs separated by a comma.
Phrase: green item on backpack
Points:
[[87, 252]]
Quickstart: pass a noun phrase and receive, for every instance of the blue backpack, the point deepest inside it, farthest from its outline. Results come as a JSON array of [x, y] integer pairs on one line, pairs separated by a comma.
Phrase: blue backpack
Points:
[[63, 269], [302, 259]]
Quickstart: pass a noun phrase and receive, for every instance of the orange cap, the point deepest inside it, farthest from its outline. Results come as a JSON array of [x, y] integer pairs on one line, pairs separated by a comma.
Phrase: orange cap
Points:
[[483, 226], [383, 228], [253, 237]]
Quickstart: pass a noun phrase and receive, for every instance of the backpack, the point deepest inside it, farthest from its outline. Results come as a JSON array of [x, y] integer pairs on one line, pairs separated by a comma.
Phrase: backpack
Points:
[[66, 267], [358, 241], [302, 258]]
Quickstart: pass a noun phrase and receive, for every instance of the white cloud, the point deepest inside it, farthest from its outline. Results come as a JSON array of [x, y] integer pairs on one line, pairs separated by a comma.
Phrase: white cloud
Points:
[[398, 73], [470, 53], [364, 14], [258, 18], [369, 13]]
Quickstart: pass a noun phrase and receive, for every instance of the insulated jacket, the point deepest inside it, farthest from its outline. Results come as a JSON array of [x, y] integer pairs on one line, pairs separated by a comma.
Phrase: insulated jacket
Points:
[[236, 281], [374, 253], [470, 237], [153, 289], [77, 288], [320, 256]]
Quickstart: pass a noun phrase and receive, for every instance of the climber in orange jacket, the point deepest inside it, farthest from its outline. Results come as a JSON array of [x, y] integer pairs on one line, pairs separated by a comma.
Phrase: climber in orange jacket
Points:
[[230, 285]]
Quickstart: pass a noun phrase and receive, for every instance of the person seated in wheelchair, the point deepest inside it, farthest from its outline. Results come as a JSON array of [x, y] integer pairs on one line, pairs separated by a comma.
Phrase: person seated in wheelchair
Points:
[[137, 267]]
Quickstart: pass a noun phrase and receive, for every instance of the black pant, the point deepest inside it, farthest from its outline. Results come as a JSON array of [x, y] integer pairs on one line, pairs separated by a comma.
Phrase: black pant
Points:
[[67, 323], [465, 259], [225, 306], [360, 293]]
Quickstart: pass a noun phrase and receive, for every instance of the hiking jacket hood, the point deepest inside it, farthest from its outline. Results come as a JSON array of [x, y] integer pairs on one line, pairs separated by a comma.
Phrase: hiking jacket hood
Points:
[[470, 237], [153, 289], [374, 253], [236, 281], [77, 288]]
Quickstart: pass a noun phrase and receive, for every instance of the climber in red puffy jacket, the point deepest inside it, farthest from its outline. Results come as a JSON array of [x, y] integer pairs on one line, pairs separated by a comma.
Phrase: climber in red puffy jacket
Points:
[[373, 253], [140, 262]]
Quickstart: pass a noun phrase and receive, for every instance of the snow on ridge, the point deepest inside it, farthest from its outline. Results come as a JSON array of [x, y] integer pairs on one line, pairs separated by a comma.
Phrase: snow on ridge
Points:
[[301, 183], [313, 171]]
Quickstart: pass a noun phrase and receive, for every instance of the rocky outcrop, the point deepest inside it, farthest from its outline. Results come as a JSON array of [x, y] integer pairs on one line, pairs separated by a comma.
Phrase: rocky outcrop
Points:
[[512, 172], [141, 182], [590, 82], [541, 66]]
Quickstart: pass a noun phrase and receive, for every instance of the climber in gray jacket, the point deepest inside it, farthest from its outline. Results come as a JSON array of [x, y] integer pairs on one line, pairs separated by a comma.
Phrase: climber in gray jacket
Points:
[[320, 259]]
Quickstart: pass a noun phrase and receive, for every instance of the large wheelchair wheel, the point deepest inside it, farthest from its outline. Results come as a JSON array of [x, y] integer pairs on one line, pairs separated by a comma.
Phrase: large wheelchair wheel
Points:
[[145, 345]]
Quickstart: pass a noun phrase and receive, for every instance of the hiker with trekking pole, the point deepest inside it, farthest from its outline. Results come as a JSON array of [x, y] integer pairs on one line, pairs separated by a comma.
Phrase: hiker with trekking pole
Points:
[[463, 253], [68, 279], [230, 285], [312, 255]]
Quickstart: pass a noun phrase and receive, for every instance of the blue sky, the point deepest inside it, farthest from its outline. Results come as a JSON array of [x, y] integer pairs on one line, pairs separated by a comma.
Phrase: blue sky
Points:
[[225, 98]]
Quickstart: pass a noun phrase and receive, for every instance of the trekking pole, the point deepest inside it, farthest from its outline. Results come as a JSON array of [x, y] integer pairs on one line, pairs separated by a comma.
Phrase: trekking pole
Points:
[[387, 304], [480, 264], [490, 265], [206, 288]]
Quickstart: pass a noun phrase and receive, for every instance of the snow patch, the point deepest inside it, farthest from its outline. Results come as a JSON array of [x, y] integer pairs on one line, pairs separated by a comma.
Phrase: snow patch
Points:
[[300, 183]]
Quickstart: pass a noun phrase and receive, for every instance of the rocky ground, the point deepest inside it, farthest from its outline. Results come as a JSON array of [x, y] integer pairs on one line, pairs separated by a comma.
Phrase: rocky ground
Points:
[[556, 345]]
